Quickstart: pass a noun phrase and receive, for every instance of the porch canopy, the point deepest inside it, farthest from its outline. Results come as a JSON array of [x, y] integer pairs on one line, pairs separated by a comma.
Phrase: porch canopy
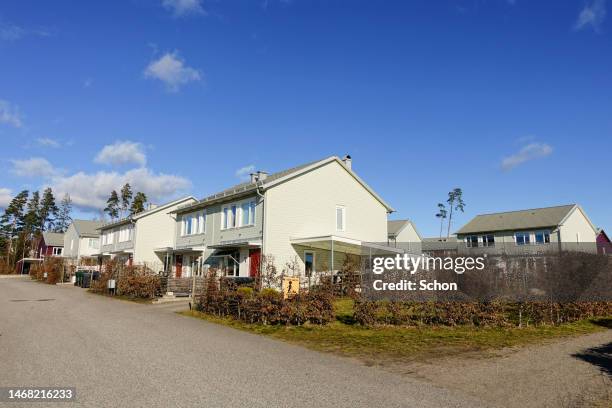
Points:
[[237, 244], [334, 243]]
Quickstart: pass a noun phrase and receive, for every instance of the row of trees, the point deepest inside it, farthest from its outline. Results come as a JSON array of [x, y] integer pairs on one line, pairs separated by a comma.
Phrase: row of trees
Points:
[[455, 203], [26, 217], [128, 204]]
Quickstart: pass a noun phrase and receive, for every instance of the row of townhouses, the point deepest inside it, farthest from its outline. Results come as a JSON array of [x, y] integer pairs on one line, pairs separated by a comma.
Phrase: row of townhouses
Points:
[[307, 218]]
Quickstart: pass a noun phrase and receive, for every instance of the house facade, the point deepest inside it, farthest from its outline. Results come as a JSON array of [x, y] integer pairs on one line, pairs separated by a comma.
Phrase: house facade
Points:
[[565, 227], [604, 245], [302, 220], [144, 238], [82, 242], [403, 234], [50, 244]]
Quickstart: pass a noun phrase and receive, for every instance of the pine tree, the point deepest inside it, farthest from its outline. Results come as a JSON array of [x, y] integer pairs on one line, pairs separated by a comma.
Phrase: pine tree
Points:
[[112, 205], [32, 217], [455, 202], [12, 223], [48, 210], [63, 218], [138, 205], [126, 198]]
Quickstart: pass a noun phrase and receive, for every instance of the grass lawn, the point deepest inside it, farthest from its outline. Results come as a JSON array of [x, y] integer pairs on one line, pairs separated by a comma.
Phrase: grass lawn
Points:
[[380, 345]]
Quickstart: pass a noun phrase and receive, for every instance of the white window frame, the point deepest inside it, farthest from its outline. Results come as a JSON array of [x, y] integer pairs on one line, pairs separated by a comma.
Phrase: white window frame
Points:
[[232, 220], [314, 262], [544, 232], [57, 251], [485, 242], [469, 242], [198, 223], [343, 209], [525, 233]]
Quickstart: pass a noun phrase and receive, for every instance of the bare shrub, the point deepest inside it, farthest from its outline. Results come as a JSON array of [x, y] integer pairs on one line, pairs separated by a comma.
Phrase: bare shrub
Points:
[[136, 283]]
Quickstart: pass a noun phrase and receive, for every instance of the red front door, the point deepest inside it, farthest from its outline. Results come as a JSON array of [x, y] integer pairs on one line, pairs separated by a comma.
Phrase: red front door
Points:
[[179, 266], [254, 260]]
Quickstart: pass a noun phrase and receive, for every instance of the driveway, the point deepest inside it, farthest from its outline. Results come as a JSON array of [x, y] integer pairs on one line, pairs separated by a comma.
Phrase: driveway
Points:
[[123, 354]]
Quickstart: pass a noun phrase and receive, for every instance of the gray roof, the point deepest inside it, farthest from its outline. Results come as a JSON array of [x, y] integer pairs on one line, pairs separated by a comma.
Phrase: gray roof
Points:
[[131, 218], [87, 229], [394, 227], [517, 220], [440, 244], [249, 187], [55, 239]]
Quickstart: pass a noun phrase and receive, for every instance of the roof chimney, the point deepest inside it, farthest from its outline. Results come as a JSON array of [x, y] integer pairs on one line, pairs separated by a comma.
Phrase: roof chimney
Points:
[[253, 177], [347, 161], [261, 175]]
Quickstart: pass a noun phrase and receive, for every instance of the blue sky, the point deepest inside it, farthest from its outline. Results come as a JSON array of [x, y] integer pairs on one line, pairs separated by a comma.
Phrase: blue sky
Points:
[[509, 100]]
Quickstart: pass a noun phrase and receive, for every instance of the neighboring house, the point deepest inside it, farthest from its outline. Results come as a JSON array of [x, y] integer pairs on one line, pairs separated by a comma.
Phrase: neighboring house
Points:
[[144, 238], [565, 227], [50, 244], [82, 241], [604, 245], [403, 234], [306, 218], [445, 246]]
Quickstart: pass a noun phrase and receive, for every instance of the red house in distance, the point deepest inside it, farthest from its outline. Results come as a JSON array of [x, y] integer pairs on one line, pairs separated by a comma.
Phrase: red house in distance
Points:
[[604, 245]]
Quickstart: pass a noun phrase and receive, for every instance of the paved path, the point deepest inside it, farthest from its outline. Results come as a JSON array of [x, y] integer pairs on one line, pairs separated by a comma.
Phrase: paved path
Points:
[[123, 354]]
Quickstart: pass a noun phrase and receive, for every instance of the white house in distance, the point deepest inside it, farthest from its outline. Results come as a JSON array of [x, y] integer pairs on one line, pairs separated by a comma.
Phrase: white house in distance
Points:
[[81, 240], [308, 216], [565, 227], [403, 234], [143, 238]]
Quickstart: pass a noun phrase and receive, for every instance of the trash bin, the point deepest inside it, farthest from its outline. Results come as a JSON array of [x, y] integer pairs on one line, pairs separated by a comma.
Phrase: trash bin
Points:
[[78, 279]]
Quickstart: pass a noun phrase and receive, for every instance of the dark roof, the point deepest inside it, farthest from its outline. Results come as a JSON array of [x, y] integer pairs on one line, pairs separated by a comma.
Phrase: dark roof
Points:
[[249, 187], [86, 228], [517, 220], [55, 239]]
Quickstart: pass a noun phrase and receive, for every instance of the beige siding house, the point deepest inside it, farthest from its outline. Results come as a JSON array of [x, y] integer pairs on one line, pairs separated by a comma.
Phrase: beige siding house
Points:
[[306, 218], [565, 227], [144, 238], [403, 234], [81, 240]]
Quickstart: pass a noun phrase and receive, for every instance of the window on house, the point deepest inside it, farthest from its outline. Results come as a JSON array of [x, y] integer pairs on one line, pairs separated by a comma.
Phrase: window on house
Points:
[[522, 238], [94, 243], [488, 240], [194, 223], [340, 218], [247, 210], [202, 222], [471, 241], [71, 244], [542, 237], [57, 251], [233, 222], [309, 263], [125, 233], [229, 216]]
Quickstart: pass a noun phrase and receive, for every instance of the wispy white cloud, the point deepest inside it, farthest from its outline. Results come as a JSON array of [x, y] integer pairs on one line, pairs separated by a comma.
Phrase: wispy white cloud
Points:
[[33, 167], [592, 15], [89, 191], [122, 152], [181, 8], [528, 152], [5, 197], [9, 114], [47, 142], [12, 32], [171, 69], [243, 173]]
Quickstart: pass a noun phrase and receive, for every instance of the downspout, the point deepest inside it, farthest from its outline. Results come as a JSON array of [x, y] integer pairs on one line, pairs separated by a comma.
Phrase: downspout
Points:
[[263, 224]]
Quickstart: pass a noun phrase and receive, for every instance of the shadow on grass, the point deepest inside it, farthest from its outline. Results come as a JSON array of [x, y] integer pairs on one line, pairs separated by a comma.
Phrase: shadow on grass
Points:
[[600, 356], [603, 322]]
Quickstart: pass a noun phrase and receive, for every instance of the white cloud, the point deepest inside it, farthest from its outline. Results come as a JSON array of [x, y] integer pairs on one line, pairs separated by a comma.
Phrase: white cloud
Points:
[[9, 114], [90, 191], [5, 197], [593, 15], [243, 173], [12, 32], [182, 8], [122, 152], [528, 152], [47, 142], [170, 68], [33, 167]]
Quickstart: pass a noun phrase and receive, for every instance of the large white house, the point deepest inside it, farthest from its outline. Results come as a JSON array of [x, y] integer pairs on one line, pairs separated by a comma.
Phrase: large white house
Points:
[[306, 218], [143, 238]]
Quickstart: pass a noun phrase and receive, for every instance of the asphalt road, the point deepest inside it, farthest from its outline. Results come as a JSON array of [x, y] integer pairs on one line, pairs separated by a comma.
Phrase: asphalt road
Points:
[[123, 354]]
